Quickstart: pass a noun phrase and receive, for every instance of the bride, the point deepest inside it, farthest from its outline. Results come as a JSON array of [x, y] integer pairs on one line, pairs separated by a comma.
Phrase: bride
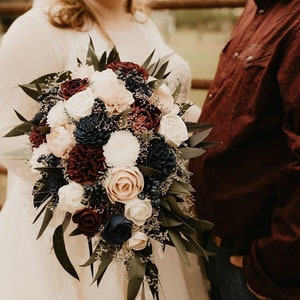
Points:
[[48, 38]]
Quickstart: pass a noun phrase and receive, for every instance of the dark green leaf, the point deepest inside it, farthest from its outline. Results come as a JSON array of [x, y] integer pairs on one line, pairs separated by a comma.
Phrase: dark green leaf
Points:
[[21, 129], [179, 245], [180, 188], [91, 58], [199, 137], [31, 92], [106, 259], [147, 171], [61, 253], [192, 127], [136, 273], [75, 232], [148, 60], [208, 144], [187, 153], [47, 218], [93, 257], [102, 62], [113, 56], [41, 195]]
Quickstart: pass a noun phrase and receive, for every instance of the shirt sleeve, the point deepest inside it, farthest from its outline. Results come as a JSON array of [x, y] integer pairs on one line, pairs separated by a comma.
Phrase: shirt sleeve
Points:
[[27, 51], [273, 267]]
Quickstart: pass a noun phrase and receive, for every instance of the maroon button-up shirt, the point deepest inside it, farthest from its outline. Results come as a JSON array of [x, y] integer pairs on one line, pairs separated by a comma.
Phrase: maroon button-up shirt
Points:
[[249, 185]]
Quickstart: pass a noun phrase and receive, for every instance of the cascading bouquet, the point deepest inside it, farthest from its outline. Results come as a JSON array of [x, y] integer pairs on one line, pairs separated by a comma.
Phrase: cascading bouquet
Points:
[[111, 147]]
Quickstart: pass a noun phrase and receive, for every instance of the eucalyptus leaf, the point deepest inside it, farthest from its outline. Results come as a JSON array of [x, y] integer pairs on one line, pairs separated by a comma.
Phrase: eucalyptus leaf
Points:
[[147, 171], [91, 58], [136, 273], [199, 137], [41, 195], [106, 259], [148, 60], [75, 232], [180, 188], [192, 127], [31, 92], [20, 129], [93, 257], [102, 61], [179, 245], [61, 253], [113, 56], [187, 153], [47, 218], [208, 144]]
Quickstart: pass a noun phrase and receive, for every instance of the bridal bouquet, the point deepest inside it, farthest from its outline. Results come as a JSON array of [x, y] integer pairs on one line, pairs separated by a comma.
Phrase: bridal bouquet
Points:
[[110, 148]]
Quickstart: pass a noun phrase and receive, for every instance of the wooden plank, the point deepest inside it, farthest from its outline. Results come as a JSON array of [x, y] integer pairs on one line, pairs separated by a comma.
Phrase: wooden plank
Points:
[[17, 8], [196, 4]]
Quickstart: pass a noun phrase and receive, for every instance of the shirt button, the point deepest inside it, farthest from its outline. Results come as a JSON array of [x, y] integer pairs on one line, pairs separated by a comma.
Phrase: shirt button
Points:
[[236, 54], [249, 58], [261, 12], [210, 95]]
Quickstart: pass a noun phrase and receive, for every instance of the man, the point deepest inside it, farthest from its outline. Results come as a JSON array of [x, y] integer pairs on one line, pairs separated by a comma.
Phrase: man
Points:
[[249, 185]]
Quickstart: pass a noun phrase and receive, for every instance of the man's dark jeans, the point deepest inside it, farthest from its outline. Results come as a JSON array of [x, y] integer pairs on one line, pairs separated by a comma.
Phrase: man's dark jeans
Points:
[[227, 282]]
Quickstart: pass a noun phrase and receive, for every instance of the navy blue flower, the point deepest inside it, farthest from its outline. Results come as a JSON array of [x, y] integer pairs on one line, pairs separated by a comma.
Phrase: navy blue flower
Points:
[[95, 129], [160, 156], [117, 230]]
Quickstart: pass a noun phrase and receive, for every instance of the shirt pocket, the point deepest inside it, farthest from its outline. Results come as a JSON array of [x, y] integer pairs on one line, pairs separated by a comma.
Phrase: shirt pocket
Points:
[[255, 56]]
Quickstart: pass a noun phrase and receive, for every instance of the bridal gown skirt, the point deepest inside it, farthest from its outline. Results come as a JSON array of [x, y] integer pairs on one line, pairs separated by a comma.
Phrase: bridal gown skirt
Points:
[[30, 270]]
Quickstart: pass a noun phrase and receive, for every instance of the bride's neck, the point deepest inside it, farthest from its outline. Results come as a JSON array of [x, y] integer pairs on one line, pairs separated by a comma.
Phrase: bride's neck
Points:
[[113, 14]]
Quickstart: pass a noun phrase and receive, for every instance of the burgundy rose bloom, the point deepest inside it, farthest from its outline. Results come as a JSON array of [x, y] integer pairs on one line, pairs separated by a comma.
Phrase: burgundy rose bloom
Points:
[[89, 221], [127, 67], [72, 87], [38, 135], [85, 163], [144, 116]]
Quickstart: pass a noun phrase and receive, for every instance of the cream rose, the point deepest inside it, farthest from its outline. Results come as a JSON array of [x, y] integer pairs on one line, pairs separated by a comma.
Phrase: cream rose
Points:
[[138, 241], [57, 115], [123, 184], [138, 211], [122, 149], [111, 91], [163, 99], [80, 104], [173, 128], [70, 197], [60, 139]]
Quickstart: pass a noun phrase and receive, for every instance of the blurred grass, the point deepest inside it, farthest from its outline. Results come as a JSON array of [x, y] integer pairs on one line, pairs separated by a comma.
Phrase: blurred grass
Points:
[[201, 49]]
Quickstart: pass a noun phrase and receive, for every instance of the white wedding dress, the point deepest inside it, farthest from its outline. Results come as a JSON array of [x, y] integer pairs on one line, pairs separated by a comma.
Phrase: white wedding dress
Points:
[[29, 269]]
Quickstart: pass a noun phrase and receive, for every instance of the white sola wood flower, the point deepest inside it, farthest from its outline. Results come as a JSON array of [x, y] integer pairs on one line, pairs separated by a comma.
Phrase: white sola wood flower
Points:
[[80, 104], [122, 149], [173, 128], [70, 197], [138, 211]]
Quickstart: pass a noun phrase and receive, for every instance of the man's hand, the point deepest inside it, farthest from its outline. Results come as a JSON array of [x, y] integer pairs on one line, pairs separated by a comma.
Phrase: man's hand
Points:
[[237, 261]]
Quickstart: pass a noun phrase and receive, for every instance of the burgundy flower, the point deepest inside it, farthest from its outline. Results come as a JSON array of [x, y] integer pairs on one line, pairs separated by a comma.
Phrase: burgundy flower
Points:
[[89, 221], [85, 163], [128, 67], [144, 116], [38, 135], [72, 87]]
